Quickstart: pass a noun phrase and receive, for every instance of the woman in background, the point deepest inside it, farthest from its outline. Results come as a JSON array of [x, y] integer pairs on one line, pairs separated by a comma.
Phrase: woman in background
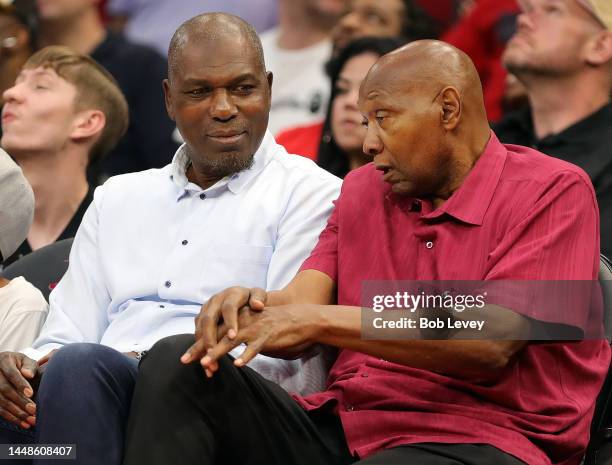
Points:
[[336, 143]]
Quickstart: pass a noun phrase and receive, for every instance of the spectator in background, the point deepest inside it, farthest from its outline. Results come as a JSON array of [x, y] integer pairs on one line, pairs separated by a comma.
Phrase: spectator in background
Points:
[[153, 22], [296, 52], [139, 70], [17, 26], [22, 306], [483, 34], [383, 18], [64, 112], [336, 144], [562, 53]]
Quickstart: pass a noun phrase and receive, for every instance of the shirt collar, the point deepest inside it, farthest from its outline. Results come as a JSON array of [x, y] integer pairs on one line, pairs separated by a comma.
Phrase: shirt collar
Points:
[[470, 202], [233, 183]]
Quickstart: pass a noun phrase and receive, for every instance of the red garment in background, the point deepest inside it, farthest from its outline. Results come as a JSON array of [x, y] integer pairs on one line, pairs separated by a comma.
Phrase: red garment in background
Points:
[[302, 140], [483, 35]]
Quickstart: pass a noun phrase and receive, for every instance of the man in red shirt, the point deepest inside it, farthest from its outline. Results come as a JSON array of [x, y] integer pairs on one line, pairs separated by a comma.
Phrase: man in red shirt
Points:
[[443, 200]]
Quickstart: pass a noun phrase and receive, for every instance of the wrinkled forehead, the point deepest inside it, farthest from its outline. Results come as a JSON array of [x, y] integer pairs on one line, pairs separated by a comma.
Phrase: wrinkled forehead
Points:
[[391, 86]]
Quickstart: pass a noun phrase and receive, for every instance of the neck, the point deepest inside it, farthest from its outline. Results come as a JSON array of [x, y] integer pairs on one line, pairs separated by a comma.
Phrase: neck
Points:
[[557, 103], [297, 29], [463, 157], [3, 282], [56, 200], [201, 178], [82, 34]]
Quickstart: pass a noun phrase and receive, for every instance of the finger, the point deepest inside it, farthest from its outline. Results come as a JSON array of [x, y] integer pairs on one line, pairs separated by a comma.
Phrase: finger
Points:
[[15, 410], [11, 395], [209, 320], [252, 349], [17, 380], [224, 346], [10, 408], [257, 299], [229, 309], [195, 352], [13, 419], [29, 367]]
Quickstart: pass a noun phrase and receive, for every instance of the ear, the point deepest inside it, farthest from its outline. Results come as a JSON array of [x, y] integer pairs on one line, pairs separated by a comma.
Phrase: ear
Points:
[[88, 123], [270, 77], [168, 99], [599, 49], [450, 111]]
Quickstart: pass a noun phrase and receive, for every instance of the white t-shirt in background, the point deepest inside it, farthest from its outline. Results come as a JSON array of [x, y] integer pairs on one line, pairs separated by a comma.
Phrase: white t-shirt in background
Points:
[[23, 310], [300, 91]]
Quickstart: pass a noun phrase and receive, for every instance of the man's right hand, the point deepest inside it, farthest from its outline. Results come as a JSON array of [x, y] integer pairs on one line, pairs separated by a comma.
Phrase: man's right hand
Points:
[[16, 392], [222, 310]]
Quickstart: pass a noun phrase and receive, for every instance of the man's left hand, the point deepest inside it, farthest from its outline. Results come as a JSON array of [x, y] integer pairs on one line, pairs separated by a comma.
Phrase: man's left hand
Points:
[[284, 331]]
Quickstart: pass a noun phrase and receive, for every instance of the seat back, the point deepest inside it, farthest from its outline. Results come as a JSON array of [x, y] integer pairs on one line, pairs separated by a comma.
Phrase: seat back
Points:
[[43, 267]]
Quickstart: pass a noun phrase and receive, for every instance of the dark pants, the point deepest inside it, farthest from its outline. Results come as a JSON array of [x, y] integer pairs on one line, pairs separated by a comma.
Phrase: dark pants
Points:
[[84, 399], [179, 417]]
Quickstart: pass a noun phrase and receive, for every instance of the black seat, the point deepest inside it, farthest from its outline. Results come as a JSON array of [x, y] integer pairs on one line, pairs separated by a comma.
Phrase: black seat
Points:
[[600, 447], [43, 267]]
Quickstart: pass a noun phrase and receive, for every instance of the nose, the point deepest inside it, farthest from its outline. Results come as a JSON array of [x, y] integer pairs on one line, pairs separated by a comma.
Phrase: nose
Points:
[[348, 24], [222, 106], [372, 144], [12, 94]]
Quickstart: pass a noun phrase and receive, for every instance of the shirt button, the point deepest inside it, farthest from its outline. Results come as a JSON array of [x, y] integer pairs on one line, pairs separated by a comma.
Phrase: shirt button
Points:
[[162, 306], [167, 284], [350, 408], [202, 196], [429, 245], [185, 242], [364, 375]]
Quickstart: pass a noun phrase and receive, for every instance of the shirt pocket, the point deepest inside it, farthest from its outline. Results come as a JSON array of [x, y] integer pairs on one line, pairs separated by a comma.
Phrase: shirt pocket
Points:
[[236, 265]]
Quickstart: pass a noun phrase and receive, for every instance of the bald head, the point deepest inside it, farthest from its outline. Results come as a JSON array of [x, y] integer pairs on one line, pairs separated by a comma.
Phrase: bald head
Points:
[[429, 66], [214, 29]]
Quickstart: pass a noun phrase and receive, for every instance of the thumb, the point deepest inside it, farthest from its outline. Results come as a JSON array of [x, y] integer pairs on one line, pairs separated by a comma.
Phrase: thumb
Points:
[[28, 368], [257, 299]]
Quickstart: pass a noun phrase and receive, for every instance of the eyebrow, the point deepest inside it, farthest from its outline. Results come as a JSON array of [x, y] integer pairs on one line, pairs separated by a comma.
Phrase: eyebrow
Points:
[[236, 80]]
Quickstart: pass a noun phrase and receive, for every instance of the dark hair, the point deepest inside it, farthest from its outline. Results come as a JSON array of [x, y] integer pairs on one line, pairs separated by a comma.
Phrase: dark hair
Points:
[[418, 24], [330, 156]]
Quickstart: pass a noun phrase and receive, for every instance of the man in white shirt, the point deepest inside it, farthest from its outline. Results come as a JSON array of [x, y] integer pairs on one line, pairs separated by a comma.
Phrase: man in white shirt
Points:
[[153, 246], [296, 52], [22, 307]]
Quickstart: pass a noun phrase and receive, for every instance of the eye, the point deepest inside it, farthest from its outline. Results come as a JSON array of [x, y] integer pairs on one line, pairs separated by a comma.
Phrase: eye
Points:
[[196, 93], [364, 123], [244, 89], [373, 17], [341, 90]]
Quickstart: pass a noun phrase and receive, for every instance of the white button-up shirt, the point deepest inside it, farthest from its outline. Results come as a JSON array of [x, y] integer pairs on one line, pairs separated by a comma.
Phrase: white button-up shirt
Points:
[[153, 247]]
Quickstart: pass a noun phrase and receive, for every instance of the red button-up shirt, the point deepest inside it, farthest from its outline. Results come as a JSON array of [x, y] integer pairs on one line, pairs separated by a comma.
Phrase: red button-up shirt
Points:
[[519, 215]]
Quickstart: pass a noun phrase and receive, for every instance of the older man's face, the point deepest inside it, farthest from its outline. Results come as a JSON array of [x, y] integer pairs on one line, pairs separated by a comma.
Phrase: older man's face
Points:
[[404, 135], [550, 38], [219, 97]]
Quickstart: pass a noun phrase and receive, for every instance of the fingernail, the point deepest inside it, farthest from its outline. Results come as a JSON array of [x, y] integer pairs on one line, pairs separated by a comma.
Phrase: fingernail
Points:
[[25, 425], [205, 361], [185, 357], [31, 408], [238, 362], [208, 373], [28, 392], [231, 333]]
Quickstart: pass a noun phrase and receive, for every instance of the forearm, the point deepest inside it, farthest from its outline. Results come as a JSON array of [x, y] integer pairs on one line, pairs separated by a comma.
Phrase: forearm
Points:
[[340, 326]]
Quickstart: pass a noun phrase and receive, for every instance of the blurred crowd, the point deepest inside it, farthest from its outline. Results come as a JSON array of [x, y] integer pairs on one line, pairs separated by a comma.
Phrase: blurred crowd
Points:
[[541, 88]]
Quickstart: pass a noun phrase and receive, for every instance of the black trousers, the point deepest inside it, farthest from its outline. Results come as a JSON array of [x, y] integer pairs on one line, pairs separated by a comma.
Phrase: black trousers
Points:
[[180, 417]]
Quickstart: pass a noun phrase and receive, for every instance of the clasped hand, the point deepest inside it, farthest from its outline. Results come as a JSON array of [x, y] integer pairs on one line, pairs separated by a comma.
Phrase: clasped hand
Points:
[[238, 316]]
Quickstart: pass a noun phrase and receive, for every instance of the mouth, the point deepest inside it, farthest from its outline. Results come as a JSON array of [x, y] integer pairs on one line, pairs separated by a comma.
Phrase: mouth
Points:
[[7, 117], [226, 137]]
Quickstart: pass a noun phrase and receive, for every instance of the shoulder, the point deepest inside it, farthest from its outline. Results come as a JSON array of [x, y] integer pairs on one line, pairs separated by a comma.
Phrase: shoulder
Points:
[[128, 187], [23, 296], [299, 169]]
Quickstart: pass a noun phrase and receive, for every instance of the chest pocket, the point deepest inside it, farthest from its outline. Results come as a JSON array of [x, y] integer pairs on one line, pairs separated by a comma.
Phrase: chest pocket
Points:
[[236, 265]]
